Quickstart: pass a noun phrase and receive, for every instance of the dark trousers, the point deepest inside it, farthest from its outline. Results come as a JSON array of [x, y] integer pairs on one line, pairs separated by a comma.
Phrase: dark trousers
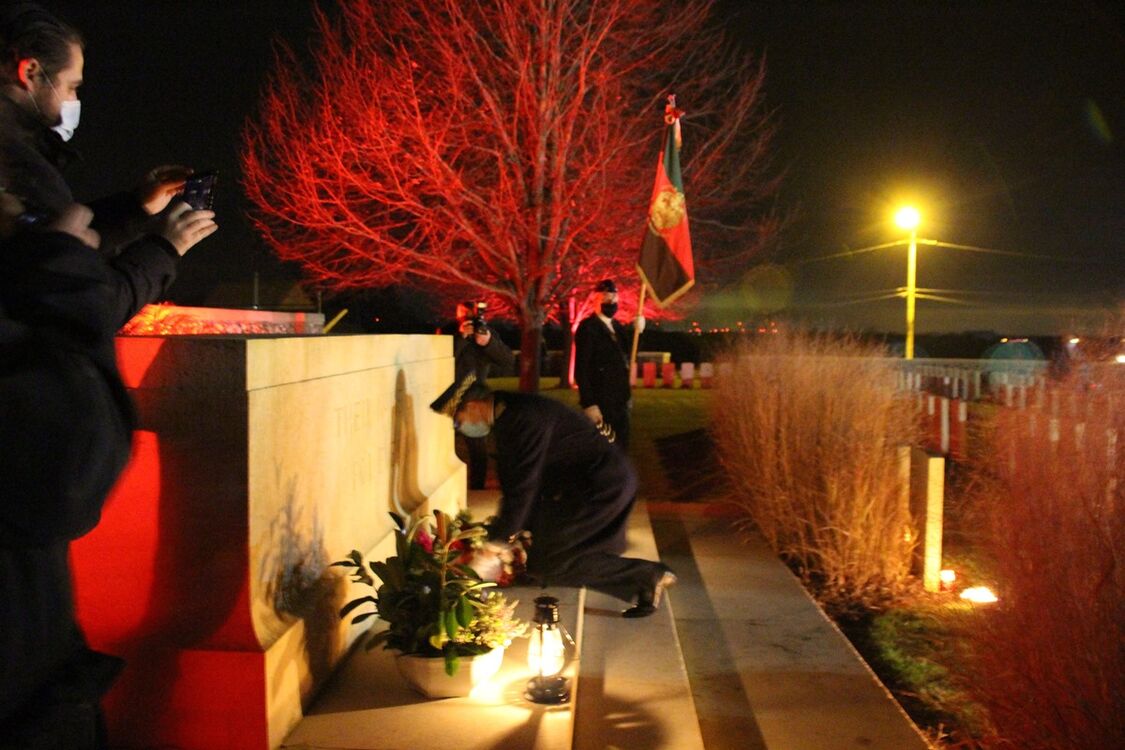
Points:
[[617, 415], [577, 540]]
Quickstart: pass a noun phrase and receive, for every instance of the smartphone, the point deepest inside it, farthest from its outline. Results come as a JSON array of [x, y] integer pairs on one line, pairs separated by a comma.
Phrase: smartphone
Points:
[[199, 190]]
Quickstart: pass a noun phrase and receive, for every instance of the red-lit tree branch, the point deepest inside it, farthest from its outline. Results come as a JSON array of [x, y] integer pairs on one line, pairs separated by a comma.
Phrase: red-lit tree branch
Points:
[[503, 148]]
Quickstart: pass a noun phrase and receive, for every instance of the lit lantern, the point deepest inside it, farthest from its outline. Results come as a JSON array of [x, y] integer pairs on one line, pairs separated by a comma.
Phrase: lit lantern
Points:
[[948, 578], [979, 595], [547, 654]]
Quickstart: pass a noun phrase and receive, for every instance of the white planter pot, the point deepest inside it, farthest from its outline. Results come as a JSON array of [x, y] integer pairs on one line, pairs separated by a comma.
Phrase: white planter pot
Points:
[[426, 674]]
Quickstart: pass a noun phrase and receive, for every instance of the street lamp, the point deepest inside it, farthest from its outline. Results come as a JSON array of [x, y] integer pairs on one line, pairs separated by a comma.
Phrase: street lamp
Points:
[[908, 217]]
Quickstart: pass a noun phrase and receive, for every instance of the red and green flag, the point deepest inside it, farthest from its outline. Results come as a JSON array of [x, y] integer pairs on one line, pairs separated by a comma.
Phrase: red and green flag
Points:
[[665, 262]]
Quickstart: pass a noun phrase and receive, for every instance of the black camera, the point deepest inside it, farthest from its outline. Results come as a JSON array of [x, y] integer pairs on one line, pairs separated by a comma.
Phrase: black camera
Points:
[[479, 324]]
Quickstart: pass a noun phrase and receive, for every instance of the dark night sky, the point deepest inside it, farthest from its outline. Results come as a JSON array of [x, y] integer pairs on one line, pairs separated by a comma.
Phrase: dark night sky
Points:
[[983, 111]]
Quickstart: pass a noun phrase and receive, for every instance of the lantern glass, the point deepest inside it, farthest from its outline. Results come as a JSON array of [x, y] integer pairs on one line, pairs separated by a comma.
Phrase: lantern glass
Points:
[[548, 653]]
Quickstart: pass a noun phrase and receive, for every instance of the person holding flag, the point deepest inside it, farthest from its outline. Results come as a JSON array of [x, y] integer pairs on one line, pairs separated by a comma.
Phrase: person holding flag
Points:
[[600, 368]]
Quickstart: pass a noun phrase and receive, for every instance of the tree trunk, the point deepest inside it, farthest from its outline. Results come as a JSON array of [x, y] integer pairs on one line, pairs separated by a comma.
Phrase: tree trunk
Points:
[[531, 335], [568, 341]]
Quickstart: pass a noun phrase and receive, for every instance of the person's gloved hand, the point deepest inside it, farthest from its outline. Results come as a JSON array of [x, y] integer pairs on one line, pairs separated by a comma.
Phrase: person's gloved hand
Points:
[[159, 186], [594, 413], [184, 227], [639, 323], [488, 561]]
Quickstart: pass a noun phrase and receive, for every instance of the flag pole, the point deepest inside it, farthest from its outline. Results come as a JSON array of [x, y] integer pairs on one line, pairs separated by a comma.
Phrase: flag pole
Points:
[[636, 331]]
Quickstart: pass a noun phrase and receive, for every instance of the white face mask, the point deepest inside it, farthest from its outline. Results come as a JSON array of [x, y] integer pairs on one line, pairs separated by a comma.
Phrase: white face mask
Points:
[[475, 429], [71, 113]]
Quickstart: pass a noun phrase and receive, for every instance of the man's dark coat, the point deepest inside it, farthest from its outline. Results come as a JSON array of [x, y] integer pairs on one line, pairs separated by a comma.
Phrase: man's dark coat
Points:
[[601, 370], [570, 487]]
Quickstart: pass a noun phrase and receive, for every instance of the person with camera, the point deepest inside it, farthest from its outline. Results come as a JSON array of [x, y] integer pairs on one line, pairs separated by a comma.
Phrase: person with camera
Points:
[[563, 481], [477, 350], [601, 366], [41, 72]]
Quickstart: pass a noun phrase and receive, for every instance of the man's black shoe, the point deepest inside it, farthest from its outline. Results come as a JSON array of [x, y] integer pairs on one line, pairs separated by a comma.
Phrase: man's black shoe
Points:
[[649, 600]]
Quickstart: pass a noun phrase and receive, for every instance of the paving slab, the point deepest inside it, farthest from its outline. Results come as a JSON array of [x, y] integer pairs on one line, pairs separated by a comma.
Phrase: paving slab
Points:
[[634, 687], [768, 668]]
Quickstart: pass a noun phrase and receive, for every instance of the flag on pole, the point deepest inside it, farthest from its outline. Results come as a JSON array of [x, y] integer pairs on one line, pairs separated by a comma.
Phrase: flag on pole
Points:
[[665, 262]]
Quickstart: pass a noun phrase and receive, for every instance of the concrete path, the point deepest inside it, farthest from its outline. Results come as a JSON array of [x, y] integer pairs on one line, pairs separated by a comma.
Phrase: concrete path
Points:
[[768, 669]]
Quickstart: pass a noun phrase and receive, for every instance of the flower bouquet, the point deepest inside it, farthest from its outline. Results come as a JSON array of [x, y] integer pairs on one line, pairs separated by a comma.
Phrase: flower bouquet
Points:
[[435, 605]]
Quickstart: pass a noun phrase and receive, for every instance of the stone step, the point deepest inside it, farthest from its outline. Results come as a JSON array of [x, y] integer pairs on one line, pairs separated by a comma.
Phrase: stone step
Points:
[[634, 690]]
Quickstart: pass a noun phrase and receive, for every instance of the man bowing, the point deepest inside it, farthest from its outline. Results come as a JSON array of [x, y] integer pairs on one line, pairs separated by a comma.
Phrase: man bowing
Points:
[[563, 481]]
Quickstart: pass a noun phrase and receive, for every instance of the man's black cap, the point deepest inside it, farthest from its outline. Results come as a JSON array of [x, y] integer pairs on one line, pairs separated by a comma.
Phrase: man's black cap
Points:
[[456, 394], [606, 285]]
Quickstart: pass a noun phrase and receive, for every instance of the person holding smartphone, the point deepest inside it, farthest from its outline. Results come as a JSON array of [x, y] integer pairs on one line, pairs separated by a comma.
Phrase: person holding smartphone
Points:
[[41, 72]]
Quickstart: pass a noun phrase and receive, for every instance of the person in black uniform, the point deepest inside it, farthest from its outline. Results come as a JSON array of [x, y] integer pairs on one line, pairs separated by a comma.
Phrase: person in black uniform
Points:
[[564, 482], [601, 366], [477, 350]]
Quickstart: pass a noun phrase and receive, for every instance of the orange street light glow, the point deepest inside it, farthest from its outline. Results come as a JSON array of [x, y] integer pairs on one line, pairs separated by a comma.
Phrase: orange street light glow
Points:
[[979, 595], [948, 577], [908, 217]]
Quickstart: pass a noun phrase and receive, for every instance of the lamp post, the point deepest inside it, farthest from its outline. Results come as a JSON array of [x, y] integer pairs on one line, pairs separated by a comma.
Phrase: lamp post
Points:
[[908, 217]]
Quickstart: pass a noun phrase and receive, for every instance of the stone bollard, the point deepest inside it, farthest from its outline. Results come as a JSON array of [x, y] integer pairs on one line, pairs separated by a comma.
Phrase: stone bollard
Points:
[[927, 499], [943, 427], [959, 431]]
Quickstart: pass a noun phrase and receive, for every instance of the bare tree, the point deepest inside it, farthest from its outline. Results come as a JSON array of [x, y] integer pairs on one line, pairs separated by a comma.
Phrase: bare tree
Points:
[[504, 148]]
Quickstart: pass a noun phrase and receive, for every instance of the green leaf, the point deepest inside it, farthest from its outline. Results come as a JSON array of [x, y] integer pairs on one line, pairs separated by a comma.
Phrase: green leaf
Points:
[[451, 626], [382, 570], [464, 612], [466, 572], [402, 544], [400, 522], [470, 533], [451, 662], [355, 603]]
